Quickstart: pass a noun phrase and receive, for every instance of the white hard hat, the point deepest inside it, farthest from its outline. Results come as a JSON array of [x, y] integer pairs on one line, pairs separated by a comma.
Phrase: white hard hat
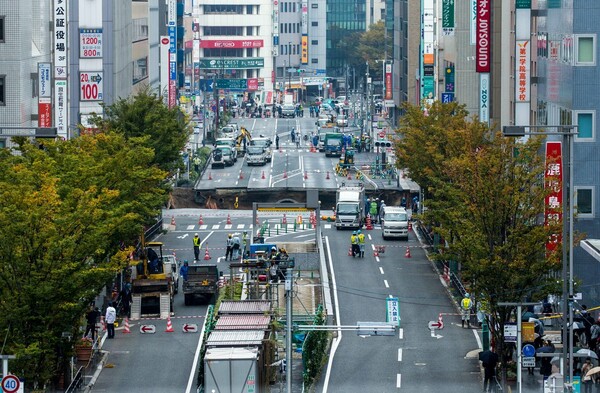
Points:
[[195, 234]]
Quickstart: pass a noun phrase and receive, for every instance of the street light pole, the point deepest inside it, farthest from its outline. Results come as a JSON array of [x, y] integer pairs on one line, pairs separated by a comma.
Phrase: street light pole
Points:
[[289, 64]]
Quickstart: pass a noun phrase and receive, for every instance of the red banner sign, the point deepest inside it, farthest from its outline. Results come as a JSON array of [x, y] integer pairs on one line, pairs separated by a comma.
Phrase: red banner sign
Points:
[[388, 82], [231, 44], [483, 42], [553, 181], [44, 113], [252, 83]]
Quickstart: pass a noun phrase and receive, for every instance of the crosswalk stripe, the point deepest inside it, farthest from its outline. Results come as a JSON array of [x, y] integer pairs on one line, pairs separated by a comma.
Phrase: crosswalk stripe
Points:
[[203, 227], [216, 226]]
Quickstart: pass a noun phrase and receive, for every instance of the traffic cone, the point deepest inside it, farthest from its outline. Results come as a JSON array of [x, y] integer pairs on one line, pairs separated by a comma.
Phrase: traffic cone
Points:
[[241, 175], [349, 176], [369, 223], [410, 226], [407, 254], [126, 330], [209, 176], [206, 254], [263, 175], [173, 220], [169, 325], [200, 221], [285, 174], [350, 251], [228, 220], [375, 252], [305, 175], [327, 175]]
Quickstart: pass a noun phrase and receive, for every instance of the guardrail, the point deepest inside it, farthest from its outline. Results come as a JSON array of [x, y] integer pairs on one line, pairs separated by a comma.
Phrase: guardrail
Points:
[[77, 381]]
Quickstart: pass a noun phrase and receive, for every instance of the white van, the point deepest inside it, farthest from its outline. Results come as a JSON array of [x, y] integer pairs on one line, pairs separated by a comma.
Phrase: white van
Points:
[[394, 221], [256, 155]]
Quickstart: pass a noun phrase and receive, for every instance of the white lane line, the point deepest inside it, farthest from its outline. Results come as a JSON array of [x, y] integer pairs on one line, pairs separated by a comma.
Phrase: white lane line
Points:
[[398, 381], [401, 334], [381, 270], [369, 235], [399, 354], [338, 339], [477, 338], [386, 283], [191, 378]]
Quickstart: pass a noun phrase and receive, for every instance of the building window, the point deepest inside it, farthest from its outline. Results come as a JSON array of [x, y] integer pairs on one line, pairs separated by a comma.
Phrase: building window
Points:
[[34, 84], [223, 30], [2, 143], [140, 29], [2, 90], [249, 52], [584, 202], [313, 24], [585, 121], [249, 9], [314, 60], [140, 70], [285, 7], [586, 50], [223, 9], [249, 30], [314, 5], [314, 42], [2, 28]]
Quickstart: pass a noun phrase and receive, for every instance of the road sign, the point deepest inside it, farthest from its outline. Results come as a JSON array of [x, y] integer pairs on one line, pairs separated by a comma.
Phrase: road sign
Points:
[[382, 134], [232, 84], [435, 325], [528, 350], [510, 332], [91, 86], [447, 97], [147, 329], [528, 361], [190, 328], [393, 310], [10, 384]]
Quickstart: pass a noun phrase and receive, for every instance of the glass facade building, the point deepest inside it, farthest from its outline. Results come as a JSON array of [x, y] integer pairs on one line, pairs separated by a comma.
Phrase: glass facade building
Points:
[[343, 17]]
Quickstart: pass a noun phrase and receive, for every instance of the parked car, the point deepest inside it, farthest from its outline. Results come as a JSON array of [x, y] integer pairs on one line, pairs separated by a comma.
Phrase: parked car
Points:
[[222, 156], [342, 121], [228, 132], [228, 142], [288, 110]]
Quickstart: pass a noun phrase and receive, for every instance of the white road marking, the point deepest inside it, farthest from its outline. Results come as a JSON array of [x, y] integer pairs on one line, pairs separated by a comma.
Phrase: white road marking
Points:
[[398, 381], [228, 226], [401, 334], [216, 226], [203, 227], [327, 226], [190, 227], [183, 236], [241, 226], [386, 283], [381, 270], [399, 354], [370, 238]]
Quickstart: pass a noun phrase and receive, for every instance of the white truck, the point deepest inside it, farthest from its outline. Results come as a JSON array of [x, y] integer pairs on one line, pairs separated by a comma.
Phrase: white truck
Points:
[[350, 207]]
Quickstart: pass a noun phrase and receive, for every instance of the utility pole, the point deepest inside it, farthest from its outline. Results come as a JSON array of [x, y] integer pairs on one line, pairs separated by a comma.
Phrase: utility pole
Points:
[[288, 329], [289, 65]]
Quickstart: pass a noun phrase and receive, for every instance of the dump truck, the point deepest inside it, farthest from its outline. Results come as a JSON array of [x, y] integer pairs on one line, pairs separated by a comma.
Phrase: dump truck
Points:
[[152, 288], [350, 207], [202, 281]]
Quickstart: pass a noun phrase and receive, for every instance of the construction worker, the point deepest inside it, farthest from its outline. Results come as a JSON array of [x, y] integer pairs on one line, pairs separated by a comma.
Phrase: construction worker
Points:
[[197, 242], [244, 243], [373, 210], [465, 306], [183, 270], [229, 247], [361, 243], [354, 243]]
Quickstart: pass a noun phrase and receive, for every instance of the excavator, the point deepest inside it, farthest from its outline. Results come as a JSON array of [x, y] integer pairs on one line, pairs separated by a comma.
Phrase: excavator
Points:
[[152, 288], [242, 141]]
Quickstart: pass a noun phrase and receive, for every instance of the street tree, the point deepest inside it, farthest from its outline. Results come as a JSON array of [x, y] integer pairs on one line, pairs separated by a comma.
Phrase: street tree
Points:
[[146, 115], [486, 200], [371, 48], [68, 211]]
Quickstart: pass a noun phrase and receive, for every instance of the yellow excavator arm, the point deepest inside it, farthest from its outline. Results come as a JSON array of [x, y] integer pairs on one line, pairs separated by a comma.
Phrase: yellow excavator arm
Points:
[[244, 135]]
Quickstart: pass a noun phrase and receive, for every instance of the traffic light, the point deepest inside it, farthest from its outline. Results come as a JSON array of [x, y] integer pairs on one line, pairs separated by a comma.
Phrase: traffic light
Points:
[[383, 143], [301, 70]]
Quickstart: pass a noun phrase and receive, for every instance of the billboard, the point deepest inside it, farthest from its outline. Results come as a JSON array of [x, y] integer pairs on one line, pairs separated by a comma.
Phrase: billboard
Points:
[[91, 86], [60, 39], [229, 63], [483, 45], [304, 50], [484, 97], [231, 44], [90, 43], [553, 180], [388, 81]]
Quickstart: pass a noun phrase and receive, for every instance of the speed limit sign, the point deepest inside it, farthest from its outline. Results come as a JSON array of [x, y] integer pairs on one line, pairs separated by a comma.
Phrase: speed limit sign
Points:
[[91, 86], [10, 384]]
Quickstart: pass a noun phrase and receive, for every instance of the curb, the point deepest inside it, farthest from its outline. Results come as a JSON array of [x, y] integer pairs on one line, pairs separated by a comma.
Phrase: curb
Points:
[[88, 388]]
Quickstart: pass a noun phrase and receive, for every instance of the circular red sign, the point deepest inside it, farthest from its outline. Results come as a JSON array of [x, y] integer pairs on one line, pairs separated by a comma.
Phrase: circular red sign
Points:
[[165, 41], [382, 134], [11, 384]]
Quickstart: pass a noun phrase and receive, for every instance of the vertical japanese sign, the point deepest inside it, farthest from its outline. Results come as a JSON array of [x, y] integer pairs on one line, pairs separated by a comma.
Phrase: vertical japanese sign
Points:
[[388, 82], [275, 28], [522, 62], [164, 68], [393, 311], [484, 97], [304, 52], [172, 31], [522, 59], [448, 17], [60, 67], [483, 45], [44, 95], [473, 24], [553, 181]]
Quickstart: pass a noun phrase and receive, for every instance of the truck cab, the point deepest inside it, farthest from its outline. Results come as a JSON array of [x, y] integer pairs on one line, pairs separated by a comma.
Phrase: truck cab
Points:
[[333, 144], [350, 207], [394, 221], [202, 281]]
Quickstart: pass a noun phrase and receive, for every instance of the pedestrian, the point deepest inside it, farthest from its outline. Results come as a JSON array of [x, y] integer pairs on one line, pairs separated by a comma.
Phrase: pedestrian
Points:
[[229, 247], [126, 299], [91, 319], [489, 360], [273, 272], [183, 270], [361, 243], [546, 362], [594, 335], [110, 317], [373, 210], [380, 209], [354, 244], [277, 142], [237, 243], [293, 135], [245, 245], [197, 242], [586, 380], [465, 306]]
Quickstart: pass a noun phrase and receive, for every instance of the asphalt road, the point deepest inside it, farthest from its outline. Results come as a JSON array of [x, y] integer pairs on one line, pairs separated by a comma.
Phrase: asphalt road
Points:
[[413, 360]]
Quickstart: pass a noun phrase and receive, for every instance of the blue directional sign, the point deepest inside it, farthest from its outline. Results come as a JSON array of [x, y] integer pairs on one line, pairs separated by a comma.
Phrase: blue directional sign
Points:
[[528, 350], [447, 97], [206, 85]]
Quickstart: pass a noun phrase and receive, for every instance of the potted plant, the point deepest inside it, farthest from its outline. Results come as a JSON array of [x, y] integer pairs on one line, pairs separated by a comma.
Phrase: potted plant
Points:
[[83, 349]]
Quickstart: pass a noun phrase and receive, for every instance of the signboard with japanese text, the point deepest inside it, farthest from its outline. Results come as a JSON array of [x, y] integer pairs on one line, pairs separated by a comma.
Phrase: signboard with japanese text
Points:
[[473, 24], [447, 97], [448, 17], [91, 86], [44, 80], [231, 84], [45, 112], [389, 93], [484, 97], [304, 19], [304, 50], [483, 46], [253, 84], [393, 311], [510, 332], [231, 44], [60, 107], [60, 39], [90, 43], [449, 82], [522, 59], [275, 28], [553, 181], [229, 63]]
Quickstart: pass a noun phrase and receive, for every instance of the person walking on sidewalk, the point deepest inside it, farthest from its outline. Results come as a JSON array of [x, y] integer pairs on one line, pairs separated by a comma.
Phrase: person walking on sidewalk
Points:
[[91, 318], [489, 360], [110, 318], [465, 306], [197, 242]]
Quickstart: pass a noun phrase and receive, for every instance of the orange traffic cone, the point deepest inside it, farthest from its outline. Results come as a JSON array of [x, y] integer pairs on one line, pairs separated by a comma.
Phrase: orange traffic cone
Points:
[[349, 176], [327, 175], [172, 220], [169, 325], [375, 252], [241, 175], [407, 254], [350, 251], [369, 223], [206, 254], [228, 220], [209, 176], [126, 330], [263, 175], [201, 221], [410, 226]]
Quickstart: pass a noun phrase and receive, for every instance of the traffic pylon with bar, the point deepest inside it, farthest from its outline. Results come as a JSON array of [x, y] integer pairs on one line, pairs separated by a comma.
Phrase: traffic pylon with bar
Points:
[[169, 325], [407, 254], [201, 221], [327, 175], [369, 223], [263, 175], [206, 254], [228, 219], [209, 176], [126, 330], [172, 220]]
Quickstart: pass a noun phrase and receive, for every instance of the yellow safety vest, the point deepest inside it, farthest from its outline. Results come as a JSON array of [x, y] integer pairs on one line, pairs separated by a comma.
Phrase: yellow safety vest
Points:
[[466, 303], [197, 241], [361, 239], [354, 239]]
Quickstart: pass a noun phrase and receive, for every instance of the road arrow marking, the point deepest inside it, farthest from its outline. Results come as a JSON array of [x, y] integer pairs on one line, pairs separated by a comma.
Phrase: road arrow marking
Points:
[[183, 236], [146, 329], [190, 328]]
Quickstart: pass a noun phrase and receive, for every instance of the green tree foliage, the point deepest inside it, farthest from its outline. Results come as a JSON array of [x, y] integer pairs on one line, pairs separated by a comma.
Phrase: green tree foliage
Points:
[[64, 212], [371, 47], [485, 197], [145, 115], [314, 351]]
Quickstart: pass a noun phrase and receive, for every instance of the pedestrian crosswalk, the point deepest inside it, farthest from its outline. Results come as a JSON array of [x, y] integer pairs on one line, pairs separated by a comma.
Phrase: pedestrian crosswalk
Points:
[[242, 227]]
